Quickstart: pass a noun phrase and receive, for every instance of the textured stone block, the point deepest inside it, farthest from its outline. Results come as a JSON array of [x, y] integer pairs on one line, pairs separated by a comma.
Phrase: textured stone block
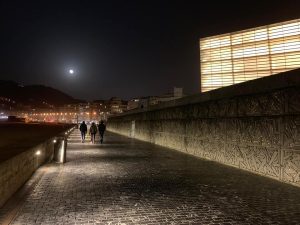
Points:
[[291, 166], [293, 101], [262, 160], [263, 104], [291, 132]]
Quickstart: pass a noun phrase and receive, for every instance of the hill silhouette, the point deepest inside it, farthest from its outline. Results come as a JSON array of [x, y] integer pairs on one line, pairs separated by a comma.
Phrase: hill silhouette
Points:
[[34, 95]]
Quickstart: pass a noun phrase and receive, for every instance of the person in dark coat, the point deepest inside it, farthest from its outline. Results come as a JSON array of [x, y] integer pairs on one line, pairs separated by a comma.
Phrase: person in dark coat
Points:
[[101, 128], [93, 131], [83, 130]]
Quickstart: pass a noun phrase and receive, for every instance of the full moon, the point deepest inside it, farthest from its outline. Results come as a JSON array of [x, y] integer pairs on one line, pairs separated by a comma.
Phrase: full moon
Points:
[[71, 71]]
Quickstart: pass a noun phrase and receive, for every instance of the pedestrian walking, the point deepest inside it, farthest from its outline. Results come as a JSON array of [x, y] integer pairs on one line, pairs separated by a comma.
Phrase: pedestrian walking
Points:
[[83, 130], [101, 128], [93, 131]]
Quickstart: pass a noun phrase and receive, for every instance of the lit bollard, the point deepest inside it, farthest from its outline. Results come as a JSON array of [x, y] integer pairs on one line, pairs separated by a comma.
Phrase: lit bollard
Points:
[[60, 149]]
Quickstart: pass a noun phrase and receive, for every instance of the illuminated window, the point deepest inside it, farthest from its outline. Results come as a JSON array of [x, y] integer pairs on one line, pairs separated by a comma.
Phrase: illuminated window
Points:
[[249, 54]]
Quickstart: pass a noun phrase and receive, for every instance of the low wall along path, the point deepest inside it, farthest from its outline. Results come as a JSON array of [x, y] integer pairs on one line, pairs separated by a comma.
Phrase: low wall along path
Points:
[[25, 149]]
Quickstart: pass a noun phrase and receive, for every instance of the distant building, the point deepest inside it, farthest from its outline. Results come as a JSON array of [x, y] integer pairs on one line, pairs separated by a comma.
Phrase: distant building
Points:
[[117, 105], [236, 57], [144, 102], [133, 103], [177, 93], [7, 104], [102, 107]]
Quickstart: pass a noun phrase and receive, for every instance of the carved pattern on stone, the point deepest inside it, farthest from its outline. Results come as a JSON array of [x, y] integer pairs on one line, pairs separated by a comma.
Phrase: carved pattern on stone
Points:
[[232, 155], [291, 132], [254, 131], [261, 160], [293, 99], [267, 104], [291, 166], [213, 109], [228, 108]]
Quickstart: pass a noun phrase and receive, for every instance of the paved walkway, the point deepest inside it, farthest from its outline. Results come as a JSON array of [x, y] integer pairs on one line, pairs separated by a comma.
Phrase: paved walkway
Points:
[[126, 181]]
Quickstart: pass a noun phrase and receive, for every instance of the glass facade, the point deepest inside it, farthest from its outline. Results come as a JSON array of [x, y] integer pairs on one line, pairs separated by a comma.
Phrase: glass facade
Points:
[[249, 54]]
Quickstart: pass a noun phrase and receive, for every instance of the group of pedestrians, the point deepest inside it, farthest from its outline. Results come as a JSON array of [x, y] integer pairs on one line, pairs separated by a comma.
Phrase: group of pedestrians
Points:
[[93, 131]]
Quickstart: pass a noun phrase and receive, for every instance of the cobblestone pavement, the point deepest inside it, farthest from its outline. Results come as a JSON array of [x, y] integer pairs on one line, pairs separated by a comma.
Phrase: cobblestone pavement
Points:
[[125, 181]]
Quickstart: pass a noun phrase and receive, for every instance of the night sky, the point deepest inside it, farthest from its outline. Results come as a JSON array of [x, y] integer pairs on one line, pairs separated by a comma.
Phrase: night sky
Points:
[[120, 48]]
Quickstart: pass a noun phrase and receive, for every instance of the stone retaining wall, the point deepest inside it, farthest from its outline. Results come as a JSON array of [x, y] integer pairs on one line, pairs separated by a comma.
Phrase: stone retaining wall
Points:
[[252, 126]]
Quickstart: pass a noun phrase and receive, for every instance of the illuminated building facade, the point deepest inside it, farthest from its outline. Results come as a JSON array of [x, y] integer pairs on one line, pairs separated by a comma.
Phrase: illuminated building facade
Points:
[[249, 54]]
